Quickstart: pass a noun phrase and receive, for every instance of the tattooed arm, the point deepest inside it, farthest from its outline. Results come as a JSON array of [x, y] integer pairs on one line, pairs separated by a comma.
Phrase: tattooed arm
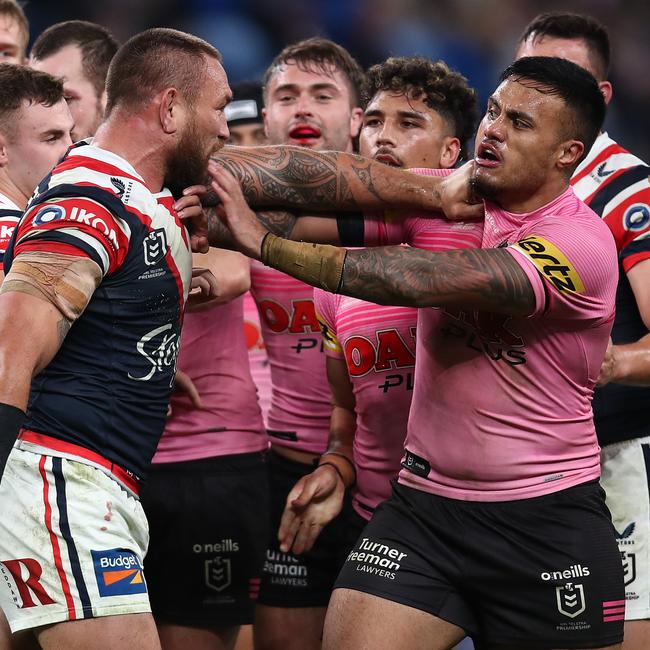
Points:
[[299, 178], [489, 280], [40, 298]]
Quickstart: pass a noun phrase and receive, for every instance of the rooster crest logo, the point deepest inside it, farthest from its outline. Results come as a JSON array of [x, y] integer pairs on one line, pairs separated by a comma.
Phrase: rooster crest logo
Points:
[[119, 186]]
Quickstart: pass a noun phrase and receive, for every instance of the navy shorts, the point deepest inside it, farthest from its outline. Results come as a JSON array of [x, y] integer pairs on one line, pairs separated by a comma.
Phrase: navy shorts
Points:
[[208, 521], [535, 573], [305, 580]]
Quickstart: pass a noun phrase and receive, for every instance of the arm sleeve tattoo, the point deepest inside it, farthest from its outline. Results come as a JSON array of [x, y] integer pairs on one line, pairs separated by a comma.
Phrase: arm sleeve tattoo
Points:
[[299, 178]]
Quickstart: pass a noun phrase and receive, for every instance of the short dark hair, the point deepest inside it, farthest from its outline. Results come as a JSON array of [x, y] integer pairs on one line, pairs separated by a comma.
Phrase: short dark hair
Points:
[[13, 10], [95, 42], [559, 24], [573, 84], [321, 54], [153, 60], [443, 90], [20, 84]]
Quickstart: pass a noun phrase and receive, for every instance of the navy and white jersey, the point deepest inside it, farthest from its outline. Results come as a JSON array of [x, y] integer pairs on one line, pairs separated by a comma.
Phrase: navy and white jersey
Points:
[[108, 387], [10, 214], [616, 185]]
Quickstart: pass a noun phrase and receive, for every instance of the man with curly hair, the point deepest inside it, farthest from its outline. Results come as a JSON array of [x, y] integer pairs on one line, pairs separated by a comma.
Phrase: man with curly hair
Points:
[[419, 114]]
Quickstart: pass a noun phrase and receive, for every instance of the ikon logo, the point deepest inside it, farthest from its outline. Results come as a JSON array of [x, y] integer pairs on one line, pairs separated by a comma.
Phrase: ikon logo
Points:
[[217, 573], [570, 599]]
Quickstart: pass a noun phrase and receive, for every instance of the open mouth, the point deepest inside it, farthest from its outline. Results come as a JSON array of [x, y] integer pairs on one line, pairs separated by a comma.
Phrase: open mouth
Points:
[[304, 133], [487, 155]]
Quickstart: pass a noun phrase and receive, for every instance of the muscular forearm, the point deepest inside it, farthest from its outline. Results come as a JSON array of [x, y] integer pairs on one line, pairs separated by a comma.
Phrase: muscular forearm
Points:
[[632, 363], [299, 178], [280, 223], [490, 280]]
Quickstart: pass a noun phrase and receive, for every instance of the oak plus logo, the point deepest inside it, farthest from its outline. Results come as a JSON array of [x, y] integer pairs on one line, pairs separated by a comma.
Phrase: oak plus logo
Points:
[[377, 559]]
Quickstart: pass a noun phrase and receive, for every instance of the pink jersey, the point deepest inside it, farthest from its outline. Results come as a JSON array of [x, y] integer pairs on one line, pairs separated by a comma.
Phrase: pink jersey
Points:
[[378, 346], [213, 353], [502, 405], [300, 405], [257, 357]]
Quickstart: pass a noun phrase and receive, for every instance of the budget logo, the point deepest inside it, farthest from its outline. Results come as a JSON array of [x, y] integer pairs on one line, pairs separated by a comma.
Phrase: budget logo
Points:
[[118, 572], [217, 573], [570, 599], [155, 246]]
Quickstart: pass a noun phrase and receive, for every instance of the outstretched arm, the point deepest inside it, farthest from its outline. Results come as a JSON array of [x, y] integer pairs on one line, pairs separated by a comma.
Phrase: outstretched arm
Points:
[[489, 280], [299, 178]]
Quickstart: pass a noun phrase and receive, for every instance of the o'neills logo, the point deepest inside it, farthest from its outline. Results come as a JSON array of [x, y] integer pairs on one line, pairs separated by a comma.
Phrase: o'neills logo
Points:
[[376, 558], [574, 571]]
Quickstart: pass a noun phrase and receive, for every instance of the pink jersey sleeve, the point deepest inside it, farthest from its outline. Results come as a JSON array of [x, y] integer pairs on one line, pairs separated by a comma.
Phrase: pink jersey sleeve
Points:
[[326, 305], [569, 281]]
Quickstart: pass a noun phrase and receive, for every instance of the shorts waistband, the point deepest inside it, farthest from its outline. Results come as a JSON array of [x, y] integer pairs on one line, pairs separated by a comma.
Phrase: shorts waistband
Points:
[[55, 444]]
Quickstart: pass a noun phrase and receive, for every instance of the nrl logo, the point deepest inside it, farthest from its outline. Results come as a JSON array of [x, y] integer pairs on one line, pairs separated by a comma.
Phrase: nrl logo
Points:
[[155, 246], [570, 599], [217, 573]]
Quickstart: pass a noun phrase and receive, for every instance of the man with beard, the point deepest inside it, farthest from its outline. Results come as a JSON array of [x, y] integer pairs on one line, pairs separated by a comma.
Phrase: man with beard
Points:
[[498, 527], [79, 53], [102, 247]]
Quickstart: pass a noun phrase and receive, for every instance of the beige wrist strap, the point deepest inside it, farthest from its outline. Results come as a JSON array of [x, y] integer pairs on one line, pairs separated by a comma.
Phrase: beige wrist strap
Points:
[[317, 264]]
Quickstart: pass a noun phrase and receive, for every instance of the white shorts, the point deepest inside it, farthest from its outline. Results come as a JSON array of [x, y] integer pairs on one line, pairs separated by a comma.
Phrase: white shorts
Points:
[[72, 542], [625, 476]]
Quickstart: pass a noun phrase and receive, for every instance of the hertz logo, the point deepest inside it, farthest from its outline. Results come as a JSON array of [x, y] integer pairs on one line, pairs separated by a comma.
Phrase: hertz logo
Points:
[[552, 264]]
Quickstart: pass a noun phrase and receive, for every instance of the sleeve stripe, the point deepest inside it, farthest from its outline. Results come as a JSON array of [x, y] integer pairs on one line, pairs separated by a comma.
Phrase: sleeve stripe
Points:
[[93, 242]]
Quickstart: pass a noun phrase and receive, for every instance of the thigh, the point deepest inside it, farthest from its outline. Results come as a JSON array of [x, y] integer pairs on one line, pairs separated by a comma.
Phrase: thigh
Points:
[[210, 517], [284, 628], [544, 572], [361, 621], [400, 557], [625, 478], [72, 543], [124, 632]]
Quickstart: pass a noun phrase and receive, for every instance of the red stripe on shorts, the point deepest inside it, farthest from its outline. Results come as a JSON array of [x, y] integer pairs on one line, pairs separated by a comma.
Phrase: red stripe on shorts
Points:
[[55, 542]]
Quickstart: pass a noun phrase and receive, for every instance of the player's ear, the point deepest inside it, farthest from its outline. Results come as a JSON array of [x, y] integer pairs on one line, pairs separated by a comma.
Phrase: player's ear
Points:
[[4, 154], [449, 152], [171, 110], [569, 153], [265, 121], [356, 122]]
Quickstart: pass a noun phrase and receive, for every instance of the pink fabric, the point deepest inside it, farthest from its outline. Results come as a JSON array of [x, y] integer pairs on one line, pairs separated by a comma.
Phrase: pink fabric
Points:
[[502, 406], [214, 355], [257, 357], [300, 405], [377, 344]]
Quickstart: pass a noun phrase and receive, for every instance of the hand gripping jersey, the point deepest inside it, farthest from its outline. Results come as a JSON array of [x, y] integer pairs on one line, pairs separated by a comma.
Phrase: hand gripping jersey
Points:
[[108, 387], [616, 185], [300, 403], [213, 354], [502, 405], [10, 214], [377, 344]]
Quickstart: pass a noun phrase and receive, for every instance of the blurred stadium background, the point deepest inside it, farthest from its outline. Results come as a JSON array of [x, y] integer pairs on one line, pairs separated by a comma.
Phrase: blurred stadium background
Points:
[[477, 37]]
